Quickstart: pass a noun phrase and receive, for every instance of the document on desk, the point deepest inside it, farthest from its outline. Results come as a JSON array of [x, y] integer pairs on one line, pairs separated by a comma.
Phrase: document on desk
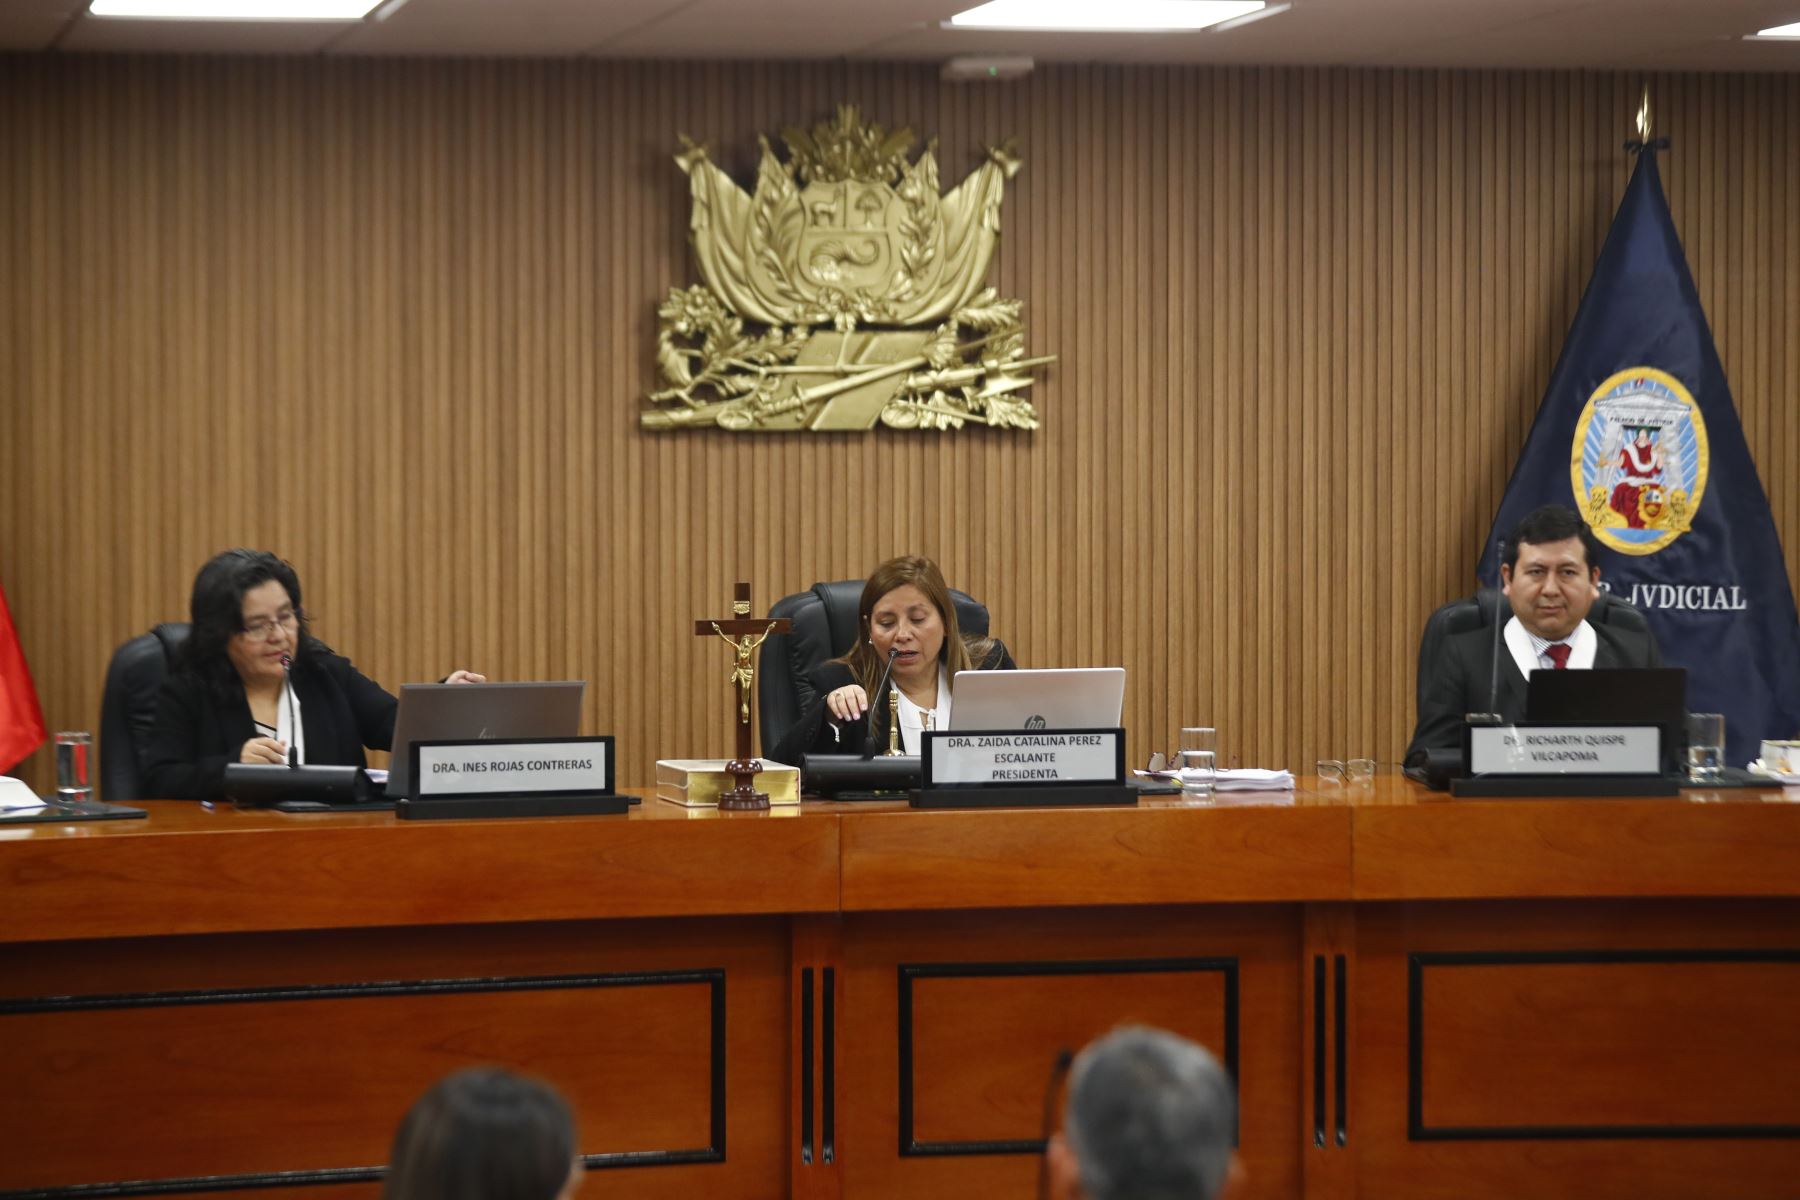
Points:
[[15, 796]]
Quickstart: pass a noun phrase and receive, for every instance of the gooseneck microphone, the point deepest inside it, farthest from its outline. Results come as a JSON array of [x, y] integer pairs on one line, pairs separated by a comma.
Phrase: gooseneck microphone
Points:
[[1494, 659], [287, 689], [875, 702]]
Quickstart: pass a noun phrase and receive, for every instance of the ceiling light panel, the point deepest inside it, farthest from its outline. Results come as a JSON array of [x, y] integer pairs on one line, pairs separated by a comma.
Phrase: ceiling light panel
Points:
[[233, 10], [1103, 16]]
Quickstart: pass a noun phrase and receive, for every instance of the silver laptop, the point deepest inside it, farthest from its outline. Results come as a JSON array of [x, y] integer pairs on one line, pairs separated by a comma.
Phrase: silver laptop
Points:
[[473, 712], [1067, 698]]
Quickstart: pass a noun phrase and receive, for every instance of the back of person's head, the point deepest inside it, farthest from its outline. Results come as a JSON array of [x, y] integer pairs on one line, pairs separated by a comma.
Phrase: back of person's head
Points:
[[1151, 1116], [1552, 523], [484, 1134]]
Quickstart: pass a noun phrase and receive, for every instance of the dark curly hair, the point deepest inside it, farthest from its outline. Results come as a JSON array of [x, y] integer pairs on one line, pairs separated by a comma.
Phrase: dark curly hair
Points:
[[217, 612]]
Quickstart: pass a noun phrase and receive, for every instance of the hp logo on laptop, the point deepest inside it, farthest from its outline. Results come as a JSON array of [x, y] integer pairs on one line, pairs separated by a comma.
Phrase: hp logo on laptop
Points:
[[1034, 721]]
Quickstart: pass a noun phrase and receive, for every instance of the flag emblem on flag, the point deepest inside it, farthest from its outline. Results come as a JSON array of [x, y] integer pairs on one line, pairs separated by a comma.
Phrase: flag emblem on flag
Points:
[[1640, 460]]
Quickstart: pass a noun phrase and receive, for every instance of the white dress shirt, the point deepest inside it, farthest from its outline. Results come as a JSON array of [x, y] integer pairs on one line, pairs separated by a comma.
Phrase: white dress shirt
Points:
[[1528, 649]]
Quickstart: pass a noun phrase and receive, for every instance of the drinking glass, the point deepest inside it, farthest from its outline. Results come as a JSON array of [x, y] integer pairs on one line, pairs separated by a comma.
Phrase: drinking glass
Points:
[[1199, 771], [1706, 747], [73, 784]]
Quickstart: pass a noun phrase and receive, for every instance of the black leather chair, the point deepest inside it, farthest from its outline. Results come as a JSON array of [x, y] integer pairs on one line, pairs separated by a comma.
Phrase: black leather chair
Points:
[[825, 627], [1477, 612], [128, 708]]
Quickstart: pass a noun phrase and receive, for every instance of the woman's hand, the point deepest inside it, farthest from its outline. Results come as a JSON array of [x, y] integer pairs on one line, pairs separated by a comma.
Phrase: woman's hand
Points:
[[848, 702], [465, 677], [264, 750]]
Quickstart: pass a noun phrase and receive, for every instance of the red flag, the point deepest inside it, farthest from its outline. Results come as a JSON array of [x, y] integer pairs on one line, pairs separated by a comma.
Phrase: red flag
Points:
[[21, 720]]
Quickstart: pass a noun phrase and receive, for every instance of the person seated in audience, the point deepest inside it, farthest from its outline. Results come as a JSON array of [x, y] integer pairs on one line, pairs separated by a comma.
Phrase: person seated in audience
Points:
[[905, 612], [485, 1134], [1551, 577], [1150, 1116], [251, 684]]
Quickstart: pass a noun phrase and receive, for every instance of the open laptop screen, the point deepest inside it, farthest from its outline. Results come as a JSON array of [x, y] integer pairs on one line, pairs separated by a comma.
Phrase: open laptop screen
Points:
[[1064, 698], [473, 712]]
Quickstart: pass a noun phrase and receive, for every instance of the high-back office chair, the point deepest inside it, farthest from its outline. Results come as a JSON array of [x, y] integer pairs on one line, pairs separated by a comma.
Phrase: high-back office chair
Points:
[[128, 707], [825, 627], [1477, 612]]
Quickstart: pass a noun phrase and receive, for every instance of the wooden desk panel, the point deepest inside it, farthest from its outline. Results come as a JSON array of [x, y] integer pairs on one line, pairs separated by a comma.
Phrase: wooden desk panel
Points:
[[190, 869], [1598, 1049], [259, 1055], [1156, 853], [1411, 844], [952, 1021], [1087, 917]]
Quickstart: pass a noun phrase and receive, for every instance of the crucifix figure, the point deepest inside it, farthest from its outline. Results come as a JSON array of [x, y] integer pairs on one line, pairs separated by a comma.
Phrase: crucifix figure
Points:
[[743, 634]]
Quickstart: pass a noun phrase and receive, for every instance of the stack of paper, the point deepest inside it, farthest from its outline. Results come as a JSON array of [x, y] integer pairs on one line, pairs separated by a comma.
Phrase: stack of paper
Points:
[[1252, 780], [14, 795]]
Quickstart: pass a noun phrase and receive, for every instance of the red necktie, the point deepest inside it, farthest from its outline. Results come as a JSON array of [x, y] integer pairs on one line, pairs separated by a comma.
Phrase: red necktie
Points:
[[1559, 654]]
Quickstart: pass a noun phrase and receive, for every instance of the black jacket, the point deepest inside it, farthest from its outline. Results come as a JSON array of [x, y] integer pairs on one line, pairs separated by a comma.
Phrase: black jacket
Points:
[[195, 736], [817, 732], [1462, 682]]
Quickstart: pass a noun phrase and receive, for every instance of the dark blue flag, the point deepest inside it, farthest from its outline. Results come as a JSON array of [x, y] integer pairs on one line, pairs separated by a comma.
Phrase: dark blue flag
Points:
[[1639, 434]]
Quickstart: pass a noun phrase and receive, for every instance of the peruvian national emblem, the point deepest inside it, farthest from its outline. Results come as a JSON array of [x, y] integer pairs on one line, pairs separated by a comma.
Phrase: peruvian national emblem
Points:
[[846, 291]]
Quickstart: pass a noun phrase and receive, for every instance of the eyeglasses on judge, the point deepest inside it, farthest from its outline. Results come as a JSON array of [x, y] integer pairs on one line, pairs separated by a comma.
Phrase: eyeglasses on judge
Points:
[[263, 628]]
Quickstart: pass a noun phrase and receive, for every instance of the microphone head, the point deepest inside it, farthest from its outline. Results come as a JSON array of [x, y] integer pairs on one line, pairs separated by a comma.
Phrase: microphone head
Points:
[[893, 653], [287, 661]]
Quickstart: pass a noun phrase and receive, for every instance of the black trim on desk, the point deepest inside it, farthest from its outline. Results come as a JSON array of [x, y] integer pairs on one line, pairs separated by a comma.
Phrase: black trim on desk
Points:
[[806, 1066], [1418, 1131], [356, 991], [828, 1085], [1340, 1019], [714, 978], [1318, 1057], [911, 1147]]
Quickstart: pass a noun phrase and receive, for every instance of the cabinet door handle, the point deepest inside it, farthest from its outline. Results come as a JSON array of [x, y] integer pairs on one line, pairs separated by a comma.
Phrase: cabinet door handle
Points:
[[1341, 1024], [828, 1102], [806, 1066], [1318, 1065]]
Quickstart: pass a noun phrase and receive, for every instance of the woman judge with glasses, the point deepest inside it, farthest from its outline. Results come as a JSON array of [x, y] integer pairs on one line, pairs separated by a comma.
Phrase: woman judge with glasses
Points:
[[252, 685]]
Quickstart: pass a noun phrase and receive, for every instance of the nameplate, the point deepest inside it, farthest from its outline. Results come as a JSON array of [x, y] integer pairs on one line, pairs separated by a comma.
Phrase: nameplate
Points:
[[513, 767], [1565, 750], [1014, 758]]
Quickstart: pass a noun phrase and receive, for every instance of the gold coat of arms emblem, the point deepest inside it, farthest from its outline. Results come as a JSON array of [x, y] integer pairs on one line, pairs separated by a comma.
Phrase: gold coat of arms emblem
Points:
[[847, 290]]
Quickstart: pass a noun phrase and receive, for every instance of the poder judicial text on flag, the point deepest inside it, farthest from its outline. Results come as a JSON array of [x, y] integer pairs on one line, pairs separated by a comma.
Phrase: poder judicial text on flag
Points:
[[1639, 434], [21, 720]]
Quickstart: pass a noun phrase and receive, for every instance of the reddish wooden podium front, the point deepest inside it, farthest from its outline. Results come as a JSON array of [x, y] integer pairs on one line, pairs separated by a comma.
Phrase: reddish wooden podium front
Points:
[[1421, 997]]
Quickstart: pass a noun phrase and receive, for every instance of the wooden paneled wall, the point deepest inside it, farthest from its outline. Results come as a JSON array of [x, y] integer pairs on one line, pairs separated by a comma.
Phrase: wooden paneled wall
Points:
[[393, 319]]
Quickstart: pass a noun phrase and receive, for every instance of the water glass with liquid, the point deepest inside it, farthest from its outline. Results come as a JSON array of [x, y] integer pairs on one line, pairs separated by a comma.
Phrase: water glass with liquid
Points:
[[74, 785], [1706, 747], [1199, 773]]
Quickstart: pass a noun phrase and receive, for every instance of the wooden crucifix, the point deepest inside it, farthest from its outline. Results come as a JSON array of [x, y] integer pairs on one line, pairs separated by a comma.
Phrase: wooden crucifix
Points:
[[743, 634]]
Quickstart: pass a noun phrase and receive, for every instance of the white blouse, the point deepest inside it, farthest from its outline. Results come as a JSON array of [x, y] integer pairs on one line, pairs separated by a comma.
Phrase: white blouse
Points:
[[913, 718], [294, 735]]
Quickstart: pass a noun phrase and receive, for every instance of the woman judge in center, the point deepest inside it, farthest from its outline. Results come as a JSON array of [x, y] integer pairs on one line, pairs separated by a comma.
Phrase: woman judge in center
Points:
[[905, 613]]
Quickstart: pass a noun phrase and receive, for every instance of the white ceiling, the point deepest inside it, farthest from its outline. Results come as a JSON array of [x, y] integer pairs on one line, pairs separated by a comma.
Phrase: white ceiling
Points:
[[1705, 35]]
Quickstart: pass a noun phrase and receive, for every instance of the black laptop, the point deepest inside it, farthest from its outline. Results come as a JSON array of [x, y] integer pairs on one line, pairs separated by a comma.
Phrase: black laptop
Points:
[[1614, 696]]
